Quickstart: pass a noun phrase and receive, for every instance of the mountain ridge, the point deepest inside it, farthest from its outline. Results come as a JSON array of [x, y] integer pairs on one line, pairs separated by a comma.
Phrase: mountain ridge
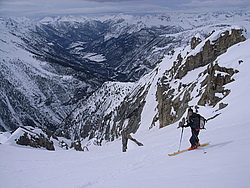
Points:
[[171, 99], [85, 65]]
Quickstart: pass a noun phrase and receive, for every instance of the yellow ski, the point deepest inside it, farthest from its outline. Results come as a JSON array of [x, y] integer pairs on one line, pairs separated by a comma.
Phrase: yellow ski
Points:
[[182, 151]]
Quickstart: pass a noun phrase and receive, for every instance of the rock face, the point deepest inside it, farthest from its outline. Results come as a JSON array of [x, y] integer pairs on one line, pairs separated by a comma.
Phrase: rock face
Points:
[[168, 102], [42, 138], [214, 82], [171, 103], [37, 140], [194, 42], [77, 145], [210, 51]]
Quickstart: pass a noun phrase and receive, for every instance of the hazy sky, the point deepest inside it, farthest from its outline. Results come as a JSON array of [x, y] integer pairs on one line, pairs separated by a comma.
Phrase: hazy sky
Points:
[[43, 8]]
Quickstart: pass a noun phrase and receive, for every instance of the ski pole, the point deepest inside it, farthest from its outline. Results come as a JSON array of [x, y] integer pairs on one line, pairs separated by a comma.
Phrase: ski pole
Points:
[[181, 138]]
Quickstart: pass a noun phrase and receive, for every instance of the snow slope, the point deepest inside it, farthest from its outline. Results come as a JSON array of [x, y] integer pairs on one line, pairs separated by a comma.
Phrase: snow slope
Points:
[[226, 163]]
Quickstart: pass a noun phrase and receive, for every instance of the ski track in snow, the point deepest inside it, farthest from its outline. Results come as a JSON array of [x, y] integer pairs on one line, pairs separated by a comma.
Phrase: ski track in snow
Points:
[[145, 166]]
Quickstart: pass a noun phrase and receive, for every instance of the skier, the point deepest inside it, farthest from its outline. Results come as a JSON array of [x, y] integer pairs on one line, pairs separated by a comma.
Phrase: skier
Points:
[[193, 123], [125, 137]]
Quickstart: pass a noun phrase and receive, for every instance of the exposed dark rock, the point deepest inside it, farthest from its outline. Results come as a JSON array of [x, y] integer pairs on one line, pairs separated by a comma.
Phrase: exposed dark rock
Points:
[[214, 84], [78, 146], [63, 144], [35, 140], [168, 103], [194, 42], [222, 105], [211, 50], [172, 104]]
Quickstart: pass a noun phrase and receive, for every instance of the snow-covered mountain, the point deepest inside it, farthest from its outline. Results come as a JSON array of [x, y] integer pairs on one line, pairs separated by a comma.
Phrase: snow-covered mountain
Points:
[[187, 77], [51, 67], [225, 164], [35, 92], [48, 66], [207, 68]]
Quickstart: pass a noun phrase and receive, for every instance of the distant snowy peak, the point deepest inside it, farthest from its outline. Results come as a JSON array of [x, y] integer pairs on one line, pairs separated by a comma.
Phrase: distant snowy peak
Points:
[[69, 18], [186, 21], [120, 24], [149, 20]]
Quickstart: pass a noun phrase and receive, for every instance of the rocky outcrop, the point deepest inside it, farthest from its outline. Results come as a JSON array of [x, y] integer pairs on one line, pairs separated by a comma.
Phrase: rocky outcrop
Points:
[[129, 117], [42, 138], [210, 51], [194, 42], [63, 145], [171, 107], [214, 84], [77, 145], [37, 140], [173, 94]]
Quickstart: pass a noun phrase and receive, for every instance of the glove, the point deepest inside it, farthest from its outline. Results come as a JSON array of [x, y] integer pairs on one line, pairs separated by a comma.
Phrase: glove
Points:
[[180, 125]]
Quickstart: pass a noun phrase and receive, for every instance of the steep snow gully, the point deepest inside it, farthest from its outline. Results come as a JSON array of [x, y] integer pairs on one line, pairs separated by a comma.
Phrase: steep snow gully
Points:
[[225, 164]]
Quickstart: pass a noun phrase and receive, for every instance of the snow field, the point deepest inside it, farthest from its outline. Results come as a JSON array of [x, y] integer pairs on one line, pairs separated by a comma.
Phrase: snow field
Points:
[[226, 163]]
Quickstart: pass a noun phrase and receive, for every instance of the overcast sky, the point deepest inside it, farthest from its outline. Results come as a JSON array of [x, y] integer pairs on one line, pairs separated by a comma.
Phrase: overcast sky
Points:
[[43, 8]]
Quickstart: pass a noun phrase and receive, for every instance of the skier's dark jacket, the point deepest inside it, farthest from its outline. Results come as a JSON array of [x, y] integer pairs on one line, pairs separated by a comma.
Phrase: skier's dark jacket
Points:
[[193, 122]]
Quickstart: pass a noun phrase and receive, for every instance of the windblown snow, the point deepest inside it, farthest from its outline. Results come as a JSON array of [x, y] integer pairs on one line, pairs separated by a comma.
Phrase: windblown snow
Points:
[[225, 164]]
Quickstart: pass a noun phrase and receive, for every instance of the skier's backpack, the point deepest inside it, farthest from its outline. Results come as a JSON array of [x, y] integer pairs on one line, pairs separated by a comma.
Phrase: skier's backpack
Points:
[[202, 122]]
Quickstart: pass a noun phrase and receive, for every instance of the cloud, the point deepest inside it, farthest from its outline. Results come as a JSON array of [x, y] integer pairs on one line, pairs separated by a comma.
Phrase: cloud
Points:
[[100, 7], [108, 9], [114, 1], [216, 5], [85, 7]]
